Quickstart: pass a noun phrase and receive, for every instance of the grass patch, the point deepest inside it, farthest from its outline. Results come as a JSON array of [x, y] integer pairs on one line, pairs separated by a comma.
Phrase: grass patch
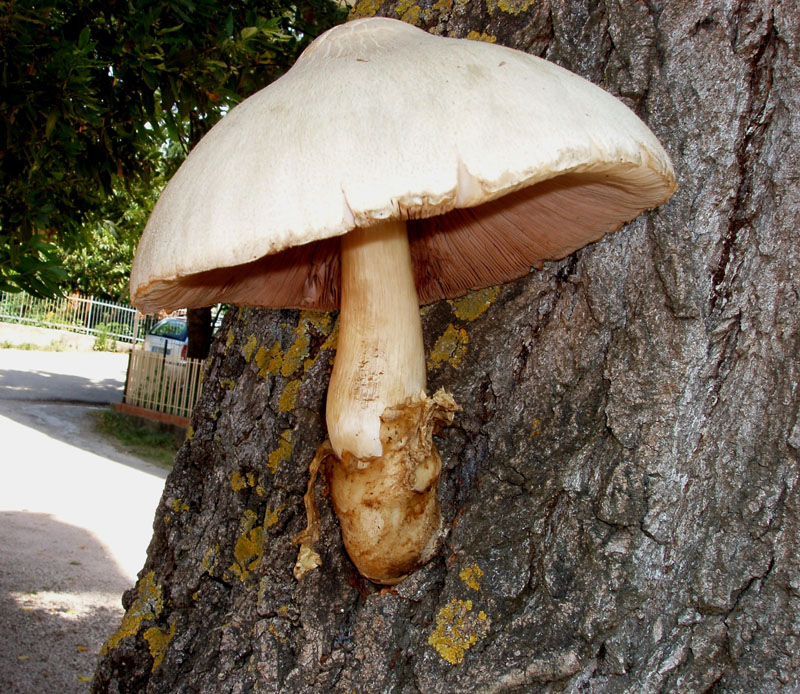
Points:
[[54, 346], [151, 441]]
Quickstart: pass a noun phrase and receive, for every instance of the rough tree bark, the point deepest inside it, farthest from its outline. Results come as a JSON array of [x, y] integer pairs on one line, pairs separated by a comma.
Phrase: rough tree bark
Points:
[[621, 487]]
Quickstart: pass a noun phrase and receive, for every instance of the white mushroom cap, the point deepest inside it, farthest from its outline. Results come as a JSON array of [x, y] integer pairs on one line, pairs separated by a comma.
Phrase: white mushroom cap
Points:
[[500, 160]]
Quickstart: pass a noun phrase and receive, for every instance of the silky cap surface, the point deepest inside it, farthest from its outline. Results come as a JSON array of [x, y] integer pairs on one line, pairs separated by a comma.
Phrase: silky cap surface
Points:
[[498, 159]]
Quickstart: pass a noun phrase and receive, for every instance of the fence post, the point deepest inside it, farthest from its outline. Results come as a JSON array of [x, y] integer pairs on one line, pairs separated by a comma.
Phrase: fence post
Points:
[[90, 299], [127, 377]]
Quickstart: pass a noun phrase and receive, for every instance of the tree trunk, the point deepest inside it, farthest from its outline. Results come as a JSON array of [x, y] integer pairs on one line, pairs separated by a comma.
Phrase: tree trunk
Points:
[[620, 487]]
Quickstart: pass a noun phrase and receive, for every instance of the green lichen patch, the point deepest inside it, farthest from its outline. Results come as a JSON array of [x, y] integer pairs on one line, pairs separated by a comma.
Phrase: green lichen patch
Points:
[[457, 630]]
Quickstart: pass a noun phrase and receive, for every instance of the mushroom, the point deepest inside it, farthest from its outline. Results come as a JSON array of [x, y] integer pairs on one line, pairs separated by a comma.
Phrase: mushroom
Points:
[[391, 168]]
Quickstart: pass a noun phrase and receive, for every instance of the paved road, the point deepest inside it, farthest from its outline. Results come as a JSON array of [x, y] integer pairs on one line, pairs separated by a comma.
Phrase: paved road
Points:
[[75, 518], [96, 377]]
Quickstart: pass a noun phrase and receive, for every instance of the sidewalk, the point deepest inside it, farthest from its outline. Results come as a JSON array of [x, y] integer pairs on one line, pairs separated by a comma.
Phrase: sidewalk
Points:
[[75, 520]]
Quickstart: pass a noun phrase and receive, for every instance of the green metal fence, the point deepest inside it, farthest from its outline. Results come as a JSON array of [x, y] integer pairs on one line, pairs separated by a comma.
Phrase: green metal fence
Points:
[[75, 313]]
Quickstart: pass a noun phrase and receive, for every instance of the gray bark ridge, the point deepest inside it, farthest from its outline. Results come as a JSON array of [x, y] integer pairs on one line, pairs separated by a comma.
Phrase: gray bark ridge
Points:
[[620, 489]]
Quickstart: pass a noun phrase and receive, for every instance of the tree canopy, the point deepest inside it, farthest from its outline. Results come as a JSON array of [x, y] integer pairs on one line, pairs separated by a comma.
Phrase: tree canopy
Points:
[[92, 92]]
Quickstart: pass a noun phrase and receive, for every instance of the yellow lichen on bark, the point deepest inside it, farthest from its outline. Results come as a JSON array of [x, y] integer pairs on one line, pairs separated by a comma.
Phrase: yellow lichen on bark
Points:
[[365, 8], [273, 360], [288, 399], [512, 7], [238, 482], [297, 355], [457, 630], [147, 606], [478, 36], [475, 304], [271, 517], [249, 347], [283, 453], [249, 546], [157, 641], [210, 559], [450, 348], [471, 576], [268, 361]]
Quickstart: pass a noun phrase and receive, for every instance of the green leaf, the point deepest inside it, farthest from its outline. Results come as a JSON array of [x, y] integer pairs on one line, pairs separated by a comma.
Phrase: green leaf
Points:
[[84, 37], [50, 124]]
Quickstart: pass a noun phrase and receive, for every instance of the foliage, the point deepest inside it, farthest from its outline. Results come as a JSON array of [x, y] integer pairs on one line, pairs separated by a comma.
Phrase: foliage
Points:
[[105, 340], [140, 437], [91, 90], [100, 265], [53, 346]]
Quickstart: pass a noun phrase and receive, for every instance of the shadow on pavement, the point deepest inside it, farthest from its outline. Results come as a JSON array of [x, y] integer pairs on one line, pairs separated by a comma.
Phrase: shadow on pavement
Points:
[[60, 599], [44, 385]]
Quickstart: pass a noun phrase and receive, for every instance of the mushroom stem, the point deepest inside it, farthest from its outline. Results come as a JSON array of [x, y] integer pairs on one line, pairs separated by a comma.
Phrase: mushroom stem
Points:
[[380, 422], [380, 358]]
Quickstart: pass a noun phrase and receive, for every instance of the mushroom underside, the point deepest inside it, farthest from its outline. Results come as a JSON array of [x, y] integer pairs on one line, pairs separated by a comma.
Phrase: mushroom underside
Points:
[[466, 248]]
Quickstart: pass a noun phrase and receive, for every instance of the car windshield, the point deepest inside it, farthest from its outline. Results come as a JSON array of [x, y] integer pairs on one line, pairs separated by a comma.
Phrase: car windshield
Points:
[[170, 327]]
